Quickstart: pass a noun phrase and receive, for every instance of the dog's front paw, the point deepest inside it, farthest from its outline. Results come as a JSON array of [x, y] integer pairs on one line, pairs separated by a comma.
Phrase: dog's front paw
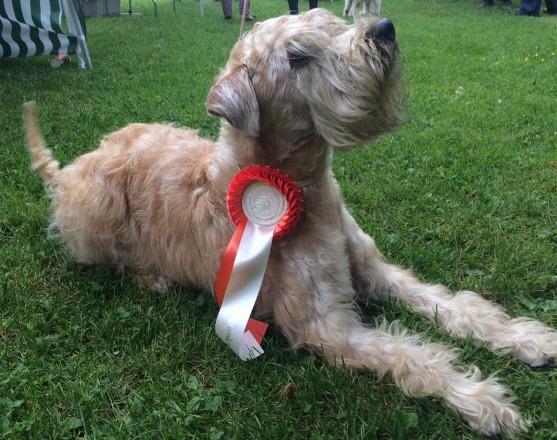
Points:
[[534, 342], [503, 419], [485, 404]]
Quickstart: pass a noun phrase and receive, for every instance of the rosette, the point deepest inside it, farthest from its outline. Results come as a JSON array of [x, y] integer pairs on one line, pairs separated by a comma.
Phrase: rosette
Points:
[[265, 205], [275, 179]]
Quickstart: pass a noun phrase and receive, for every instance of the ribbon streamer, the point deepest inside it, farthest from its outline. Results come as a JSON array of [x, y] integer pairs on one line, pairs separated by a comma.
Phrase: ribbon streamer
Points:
[[234, 325]]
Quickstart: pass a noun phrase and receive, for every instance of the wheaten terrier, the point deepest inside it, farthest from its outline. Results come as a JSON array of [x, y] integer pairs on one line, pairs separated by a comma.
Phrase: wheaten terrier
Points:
[[151, 199]]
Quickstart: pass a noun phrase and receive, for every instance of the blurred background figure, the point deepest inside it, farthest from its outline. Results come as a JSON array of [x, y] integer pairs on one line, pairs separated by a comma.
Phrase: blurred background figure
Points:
[[227, 9], [293, 6]]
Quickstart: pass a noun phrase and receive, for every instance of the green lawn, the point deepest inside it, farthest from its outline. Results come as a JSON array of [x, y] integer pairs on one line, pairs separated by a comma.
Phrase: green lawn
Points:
[[464, 193]]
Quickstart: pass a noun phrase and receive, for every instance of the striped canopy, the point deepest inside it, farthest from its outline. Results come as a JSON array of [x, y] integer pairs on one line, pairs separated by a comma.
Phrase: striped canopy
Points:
[[34, 27]]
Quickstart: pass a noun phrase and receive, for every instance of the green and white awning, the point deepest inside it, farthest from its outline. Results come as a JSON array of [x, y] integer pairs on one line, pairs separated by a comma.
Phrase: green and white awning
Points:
[[34, 27]]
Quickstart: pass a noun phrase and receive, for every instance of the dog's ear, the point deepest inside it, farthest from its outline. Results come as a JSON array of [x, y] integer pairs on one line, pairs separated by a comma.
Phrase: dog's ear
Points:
[[233, 98]]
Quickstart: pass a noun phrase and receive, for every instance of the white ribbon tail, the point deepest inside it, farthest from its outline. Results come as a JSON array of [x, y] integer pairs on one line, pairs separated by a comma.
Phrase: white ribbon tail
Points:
[[243, 288]]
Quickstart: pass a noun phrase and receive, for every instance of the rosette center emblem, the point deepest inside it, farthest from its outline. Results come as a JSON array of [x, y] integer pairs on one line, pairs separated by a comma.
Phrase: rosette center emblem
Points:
[[263, 204]]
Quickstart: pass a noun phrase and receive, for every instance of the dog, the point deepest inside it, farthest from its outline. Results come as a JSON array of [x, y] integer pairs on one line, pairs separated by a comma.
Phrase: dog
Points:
[[151, 199], [351, 7]]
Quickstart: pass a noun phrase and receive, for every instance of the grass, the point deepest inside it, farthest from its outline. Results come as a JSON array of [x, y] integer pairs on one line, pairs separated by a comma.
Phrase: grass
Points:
[[464, 193]]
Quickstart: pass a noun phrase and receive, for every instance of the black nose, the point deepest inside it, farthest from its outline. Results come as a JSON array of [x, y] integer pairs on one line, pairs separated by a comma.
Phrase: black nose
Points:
[[383, 31]]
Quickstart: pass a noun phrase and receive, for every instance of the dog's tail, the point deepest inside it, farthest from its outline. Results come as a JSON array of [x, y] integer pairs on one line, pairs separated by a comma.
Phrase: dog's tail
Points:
[[41, 157]]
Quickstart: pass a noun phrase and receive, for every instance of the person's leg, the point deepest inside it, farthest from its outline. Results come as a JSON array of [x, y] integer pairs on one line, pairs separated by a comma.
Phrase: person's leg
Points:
[[293, 6], [551, 7], [227, 8], [530, 7], [313, 4], [241, 6]]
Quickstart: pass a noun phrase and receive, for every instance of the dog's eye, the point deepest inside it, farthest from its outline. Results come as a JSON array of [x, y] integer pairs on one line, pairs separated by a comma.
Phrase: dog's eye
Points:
[[297, 60]]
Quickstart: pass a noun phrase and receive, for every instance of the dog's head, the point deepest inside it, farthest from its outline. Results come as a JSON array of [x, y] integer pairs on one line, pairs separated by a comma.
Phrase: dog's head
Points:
[[312, 75]]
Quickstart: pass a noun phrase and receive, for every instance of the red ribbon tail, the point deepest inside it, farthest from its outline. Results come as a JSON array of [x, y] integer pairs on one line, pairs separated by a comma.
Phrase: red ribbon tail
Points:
[[227, 262], [257, 329]]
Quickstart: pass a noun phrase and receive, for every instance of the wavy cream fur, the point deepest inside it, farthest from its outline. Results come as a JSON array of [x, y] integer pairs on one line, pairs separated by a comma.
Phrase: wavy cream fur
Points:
[[151, 200]]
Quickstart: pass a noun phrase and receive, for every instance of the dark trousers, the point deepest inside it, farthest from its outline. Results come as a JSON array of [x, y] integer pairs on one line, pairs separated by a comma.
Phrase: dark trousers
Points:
[[532, 7], [293, 5], [227, 7]]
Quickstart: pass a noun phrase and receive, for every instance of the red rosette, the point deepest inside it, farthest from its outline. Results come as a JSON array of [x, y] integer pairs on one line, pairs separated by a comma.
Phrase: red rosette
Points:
[[274, 178]]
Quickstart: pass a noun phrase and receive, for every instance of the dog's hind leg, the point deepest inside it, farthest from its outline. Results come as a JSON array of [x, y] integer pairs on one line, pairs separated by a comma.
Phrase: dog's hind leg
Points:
[[367, 4], [463, 314], [348, 7], [375, 10], [152, 281]]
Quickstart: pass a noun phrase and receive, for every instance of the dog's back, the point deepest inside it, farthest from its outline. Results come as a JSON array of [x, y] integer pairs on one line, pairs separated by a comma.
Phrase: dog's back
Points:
[[123, 203]]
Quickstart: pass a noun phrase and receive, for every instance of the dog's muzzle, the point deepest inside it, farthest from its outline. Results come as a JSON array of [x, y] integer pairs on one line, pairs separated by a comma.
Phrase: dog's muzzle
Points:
[[382, 32]]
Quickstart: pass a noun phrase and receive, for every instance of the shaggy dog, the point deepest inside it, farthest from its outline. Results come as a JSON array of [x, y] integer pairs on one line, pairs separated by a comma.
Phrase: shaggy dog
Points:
[[151, 200]]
